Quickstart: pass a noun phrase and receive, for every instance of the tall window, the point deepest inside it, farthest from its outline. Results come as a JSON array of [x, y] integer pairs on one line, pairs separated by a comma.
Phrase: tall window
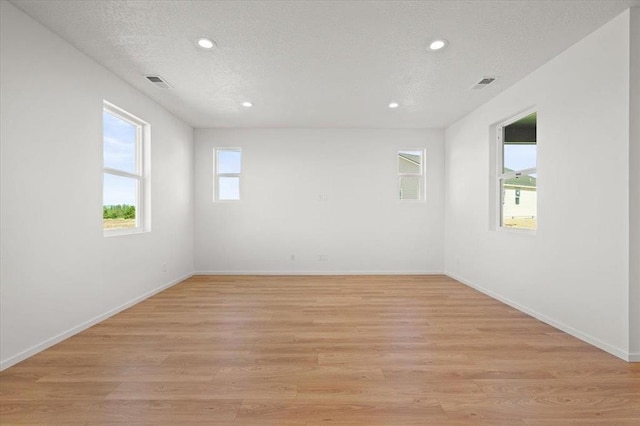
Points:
[[411, 174], [517, 176], [123, 191], [228, 166]]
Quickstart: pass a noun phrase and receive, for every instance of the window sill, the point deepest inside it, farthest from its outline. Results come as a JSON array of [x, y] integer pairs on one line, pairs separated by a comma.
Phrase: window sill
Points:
[[522, 231], [119, 232]]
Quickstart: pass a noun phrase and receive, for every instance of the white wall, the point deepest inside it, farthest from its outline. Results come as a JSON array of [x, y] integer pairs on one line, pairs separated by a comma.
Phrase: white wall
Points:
[[634, 188], [362, 226], [58, 272], [574, 271]]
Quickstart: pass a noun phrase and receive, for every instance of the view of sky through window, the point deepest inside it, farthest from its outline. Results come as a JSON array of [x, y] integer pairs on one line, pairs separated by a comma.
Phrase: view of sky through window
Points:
[[119, 153], [229, 188], [119, 143], [119, 190], [229, 161], [520, 156]]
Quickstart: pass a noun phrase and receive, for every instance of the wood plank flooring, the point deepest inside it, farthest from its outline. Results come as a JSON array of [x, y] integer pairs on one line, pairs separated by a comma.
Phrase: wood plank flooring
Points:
[[356, 350]]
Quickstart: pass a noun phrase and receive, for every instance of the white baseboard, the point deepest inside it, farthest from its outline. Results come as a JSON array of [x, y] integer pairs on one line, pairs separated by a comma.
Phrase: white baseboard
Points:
[[303, 273], [77, 329], [634, 357], [560, 326]]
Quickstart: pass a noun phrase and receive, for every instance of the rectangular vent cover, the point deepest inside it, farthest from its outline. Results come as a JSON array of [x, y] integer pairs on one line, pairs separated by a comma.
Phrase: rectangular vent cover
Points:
[[158, 81], [486, 81]]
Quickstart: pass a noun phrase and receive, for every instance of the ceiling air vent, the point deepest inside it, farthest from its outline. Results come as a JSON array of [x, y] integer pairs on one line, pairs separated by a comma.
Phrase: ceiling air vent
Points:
[[486, 81], [158, 81]]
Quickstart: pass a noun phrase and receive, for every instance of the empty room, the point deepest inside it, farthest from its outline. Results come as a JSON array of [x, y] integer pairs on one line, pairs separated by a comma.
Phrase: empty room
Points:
[[320, 212]]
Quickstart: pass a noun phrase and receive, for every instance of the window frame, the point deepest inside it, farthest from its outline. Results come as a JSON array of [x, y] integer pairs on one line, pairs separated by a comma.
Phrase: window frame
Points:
[[141, 174], [421, 176], [217, 175], [501, 175]]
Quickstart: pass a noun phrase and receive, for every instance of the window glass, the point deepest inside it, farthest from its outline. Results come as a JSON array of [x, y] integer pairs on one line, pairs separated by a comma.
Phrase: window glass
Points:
[[519, 202], [119, 143], [229, 161], [409, 187], [519, 157], [228, 188], [120, 197], [410, 162], [411, 174]]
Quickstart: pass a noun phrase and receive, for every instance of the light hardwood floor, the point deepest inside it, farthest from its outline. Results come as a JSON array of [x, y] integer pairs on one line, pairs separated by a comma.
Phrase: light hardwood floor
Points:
[[356, 350]]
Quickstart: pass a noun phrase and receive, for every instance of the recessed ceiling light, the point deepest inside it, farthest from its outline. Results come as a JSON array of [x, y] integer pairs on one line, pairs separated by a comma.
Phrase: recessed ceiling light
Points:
[[205, 43], [394, 105], [247, 104], [438, 44]]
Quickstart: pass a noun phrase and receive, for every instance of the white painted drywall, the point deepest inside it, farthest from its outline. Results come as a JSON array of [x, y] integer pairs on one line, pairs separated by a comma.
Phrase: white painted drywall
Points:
[[361, 225], [634, 187], [574, 271], [58, 272]]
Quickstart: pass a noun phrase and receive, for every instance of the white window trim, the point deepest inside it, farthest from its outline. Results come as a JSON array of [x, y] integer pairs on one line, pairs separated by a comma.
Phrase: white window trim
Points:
[[422, 175], [141, 174], [217, 175], [500, 175]]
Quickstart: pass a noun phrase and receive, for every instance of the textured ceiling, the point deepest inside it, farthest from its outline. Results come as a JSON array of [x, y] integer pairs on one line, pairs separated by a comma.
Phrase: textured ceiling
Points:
[[323, 63]]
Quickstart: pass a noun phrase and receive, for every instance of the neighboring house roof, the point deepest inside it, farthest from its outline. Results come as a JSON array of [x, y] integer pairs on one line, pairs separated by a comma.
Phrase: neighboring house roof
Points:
[[415, 159], [520, 181]]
